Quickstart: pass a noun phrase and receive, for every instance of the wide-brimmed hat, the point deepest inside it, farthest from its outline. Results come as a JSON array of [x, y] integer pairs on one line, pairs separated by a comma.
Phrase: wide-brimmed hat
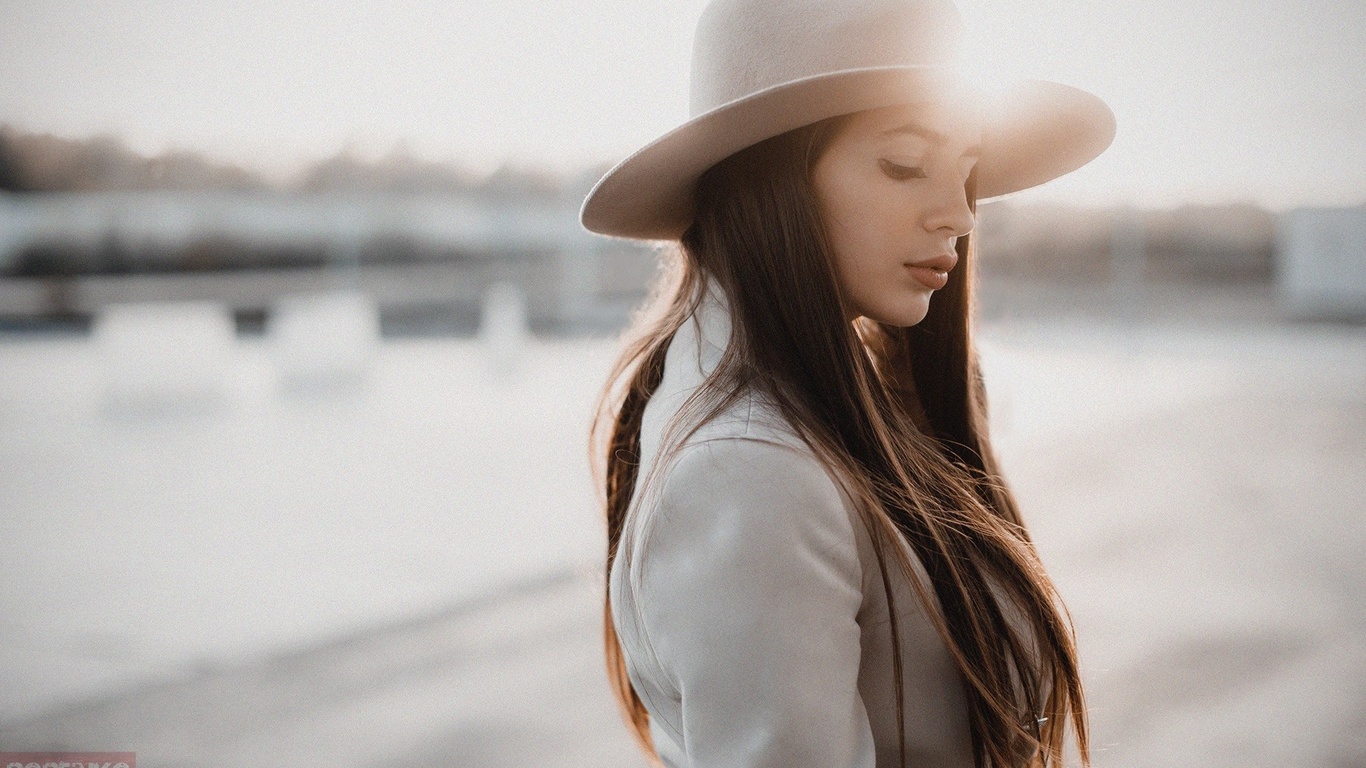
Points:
[[764, 67]]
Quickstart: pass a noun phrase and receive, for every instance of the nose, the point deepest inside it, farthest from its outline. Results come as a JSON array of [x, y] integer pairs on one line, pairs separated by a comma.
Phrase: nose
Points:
[[951, 215]]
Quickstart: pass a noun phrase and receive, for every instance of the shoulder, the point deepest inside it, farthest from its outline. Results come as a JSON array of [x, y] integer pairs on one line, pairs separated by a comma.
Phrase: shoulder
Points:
[[745, 508], [747, 474], [755, 417], [750, 553]]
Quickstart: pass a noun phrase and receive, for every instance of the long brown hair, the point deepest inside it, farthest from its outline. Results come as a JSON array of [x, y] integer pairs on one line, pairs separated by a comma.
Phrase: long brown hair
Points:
[[898, 413]]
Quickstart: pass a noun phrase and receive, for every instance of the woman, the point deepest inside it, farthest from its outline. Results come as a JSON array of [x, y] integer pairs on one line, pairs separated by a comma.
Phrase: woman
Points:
[[812, 557]]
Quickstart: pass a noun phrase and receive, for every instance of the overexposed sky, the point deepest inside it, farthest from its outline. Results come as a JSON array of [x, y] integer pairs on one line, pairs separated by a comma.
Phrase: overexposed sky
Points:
[[1221, 100]]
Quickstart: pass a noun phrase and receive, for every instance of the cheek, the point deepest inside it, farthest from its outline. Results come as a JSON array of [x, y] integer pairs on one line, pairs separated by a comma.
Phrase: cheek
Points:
[[853, 209], [875, 231]]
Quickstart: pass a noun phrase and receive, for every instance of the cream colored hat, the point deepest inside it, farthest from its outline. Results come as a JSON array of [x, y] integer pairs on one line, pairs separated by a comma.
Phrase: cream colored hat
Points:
[[763, 67]]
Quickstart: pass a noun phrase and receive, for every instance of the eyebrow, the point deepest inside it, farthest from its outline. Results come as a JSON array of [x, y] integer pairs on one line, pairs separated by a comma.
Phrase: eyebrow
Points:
[[929, 134]]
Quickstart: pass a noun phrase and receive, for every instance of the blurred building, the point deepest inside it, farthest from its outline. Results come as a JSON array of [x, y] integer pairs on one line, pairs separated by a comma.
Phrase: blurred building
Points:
[[87, 223], [426, 258], [1190, 243], [1321, 270]]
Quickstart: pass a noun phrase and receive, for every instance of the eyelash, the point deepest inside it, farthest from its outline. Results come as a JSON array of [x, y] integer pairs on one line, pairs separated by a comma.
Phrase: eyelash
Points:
[[902, 172]]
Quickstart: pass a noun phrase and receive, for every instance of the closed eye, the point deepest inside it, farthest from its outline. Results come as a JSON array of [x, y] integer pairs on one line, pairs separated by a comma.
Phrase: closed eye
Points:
[[901, 172]]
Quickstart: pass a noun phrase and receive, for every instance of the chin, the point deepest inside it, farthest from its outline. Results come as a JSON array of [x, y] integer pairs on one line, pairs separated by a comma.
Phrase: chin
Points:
[[903, 313]]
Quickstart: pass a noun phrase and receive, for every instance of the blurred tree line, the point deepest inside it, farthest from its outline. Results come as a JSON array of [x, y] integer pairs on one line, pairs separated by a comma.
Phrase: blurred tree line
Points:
[[45, 163], [32, 162]]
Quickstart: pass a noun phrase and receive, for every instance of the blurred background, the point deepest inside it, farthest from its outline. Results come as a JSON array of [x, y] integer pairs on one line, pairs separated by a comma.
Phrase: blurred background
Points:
[[300, 337]]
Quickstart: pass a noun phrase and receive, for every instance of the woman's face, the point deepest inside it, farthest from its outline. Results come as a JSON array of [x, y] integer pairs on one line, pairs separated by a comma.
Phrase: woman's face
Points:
[[891, 187]]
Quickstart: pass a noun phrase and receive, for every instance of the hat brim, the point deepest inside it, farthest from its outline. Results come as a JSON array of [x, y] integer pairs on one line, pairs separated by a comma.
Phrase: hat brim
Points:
[[1033, 131]]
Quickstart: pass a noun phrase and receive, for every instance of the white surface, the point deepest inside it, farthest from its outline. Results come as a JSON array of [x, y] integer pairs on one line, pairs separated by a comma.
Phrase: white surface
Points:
[[140, 547], [503, 327], [136, 548], [156, 355], [324, 337]]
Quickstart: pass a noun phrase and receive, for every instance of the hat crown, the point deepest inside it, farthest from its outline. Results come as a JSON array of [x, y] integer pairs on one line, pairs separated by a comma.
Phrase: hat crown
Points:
[[745, 46]]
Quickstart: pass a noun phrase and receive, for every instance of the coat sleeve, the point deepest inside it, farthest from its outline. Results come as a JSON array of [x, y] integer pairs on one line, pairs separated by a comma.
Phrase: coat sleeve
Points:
[[751, 587]]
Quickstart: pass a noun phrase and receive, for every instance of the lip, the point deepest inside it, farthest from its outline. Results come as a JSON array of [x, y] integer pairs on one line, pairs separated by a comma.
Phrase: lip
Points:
[[933, 272], [943, 262]]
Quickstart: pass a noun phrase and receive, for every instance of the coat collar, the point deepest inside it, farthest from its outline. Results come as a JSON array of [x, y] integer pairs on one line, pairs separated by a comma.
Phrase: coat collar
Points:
[[712, 324], [694, 353], [700, 342]]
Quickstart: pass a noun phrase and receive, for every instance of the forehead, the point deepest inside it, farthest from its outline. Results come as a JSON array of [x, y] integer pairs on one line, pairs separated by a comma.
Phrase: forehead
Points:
[[950, 122]]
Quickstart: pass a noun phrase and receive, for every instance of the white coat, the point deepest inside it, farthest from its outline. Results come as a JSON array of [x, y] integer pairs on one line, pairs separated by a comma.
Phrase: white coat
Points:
[[749, 604]]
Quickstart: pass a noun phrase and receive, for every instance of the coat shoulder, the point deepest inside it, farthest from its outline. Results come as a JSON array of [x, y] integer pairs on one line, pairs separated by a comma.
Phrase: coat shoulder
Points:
[[752, 417], [748, 473], [742, 501]]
